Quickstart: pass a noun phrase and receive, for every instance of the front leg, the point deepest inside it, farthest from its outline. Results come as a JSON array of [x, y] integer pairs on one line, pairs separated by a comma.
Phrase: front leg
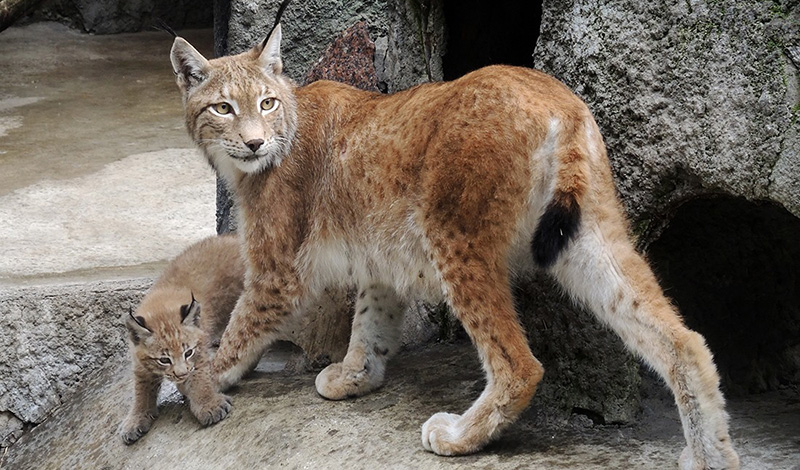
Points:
[[374, 340], [207, 405], [256, 322], [144, 410]]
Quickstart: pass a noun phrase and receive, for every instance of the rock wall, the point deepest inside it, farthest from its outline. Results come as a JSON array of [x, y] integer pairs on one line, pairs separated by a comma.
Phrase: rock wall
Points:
[[699, 104], [118, 16], [53, 341], [693, 97]]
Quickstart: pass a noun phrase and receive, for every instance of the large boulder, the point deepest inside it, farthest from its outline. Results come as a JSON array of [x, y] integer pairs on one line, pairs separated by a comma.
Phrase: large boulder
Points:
[[53, 339], [693, 97], [699, 103]]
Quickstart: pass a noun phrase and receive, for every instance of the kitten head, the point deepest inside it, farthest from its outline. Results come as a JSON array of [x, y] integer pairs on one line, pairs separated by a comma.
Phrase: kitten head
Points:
[[239, 109], [165, 336]]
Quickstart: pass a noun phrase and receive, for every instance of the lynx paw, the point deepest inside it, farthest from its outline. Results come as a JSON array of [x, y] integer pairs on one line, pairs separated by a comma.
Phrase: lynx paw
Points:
[[726, 459], [443, 434], [135, 427], [214, 411], [337, 382]]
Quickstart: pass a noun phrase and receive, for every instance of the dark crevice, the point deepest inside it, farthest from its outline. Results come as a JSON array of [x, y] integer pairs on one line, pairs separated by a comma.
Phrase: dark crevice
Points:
[[481, 33], [733, 269]]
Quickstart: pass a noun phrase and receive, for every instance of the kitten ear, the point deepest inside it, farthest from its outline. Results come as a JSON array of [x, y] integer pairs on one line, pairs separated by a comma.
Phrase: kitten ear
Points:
[[190, 313], [137, 327], [270, 55], [189, 66]]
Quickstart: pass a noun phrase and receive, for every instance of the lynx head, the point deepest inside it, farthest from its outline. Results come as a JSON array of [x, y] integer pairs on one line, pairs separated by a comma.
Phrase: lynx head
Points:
[[239, 109], [164, 335]]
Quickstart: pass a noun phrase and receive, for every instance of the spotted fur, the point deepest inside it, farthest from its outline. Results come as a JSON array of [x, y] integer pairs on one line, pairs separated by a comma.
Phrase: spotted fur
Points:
[[443, 191], [173, 328]]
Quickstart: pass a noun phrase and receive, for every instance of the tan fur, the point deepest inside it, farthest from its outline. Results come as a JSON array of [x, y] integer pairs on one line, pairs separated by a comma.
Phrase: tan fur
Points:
[[435, 192], [204, 281]]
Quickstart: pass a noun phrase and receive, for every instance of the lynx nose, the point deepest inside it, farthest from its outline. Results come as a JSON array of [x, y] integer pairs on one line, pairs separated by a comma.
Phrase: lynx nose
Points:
[[254, 144]]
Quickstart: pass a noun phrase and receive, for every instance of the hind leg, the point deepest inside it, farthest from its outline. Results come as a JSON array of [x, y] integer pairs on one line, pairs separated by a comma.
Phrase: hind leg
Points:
[[602, 270], [479, 294], [375, 338]]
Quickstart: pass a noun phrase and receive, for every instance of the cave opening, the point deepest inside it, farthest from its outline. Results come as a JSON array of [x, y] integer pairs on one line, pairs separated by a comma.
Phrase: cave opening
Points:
[[483, 33], [733, 269]]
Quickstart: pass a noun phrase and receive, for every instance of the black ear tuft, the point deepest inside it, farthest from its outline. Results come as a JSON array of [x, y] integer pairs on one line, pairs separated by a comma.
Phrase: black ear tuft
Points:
[[161, 25], [278, 15], [557, 227]]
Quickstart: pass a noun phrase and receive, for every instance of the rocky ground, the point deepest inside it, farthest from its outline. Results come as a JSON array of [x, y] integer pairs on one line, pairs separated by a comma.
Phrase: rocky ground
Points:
[[279, 421]]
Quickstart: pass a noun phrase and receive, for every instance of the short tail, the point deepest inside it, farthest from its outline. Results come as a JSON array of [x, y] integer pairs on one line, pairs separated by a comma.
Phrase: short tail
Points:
[[557, 227], [561, 220]]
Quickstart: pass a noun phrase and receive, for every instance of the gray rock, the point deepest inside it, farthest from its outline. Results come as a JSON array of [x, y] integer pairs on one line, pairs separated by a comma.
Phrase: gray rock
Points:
[[401, 28], [118, 16], [11, 428], [587, 368], [693, 98], [54, 337]]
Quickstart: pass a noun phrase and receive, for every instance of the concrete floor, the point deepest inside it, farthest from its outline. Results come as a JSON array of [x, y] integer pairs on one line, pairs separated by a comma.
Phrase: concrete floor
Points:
[[98, 180], [97, 175]]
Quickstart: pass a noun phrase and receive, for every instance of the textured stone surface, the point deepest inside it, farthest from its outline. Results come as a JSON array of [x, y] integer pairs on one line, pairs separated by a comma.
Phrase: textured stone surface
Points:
[[279, 421], [693, 97], [118, 16], [53, 338], [349, 59], [587, 368], [403, 29]]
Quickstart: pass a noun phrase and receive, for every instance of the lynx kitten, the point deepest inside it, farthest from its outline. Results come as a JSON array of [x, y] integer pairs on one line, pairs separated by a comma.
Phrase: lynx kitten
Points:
[[171, 337], [444, 191]]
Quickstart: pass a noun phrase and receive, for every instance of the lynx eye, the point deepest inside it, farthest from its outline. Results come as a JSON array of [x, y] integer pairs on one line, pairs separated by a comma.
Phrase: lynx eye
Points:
[[269, 104], [164, 361], [189, 353], [222, 108]]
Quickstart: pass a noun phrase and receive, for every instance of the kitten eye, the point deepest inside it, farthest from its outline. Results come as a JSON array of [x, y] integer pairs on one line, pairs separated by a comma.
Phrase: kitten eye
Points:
[[222, 108], [189, 353], [268, 104], [164, 361]]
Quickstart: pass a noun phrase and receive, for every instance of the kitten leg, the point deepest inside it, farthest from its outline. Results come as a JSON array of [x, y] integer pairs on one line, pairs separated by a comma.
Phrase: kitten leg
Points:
[[207, 405], [478, 291], [602, 270], [375, 338], [256, 322], [144, 410]]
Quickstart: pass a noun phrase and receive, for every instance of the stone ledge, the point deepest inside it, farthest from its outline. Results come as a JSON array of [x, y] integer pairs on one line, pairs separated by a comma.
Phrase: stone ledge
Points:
[[53, 338]]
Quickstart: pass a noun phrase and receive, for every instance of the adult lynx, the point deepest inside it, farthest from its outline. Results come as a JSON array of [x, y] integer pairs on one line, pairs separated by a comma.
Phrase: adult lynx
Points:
[[442, 191]]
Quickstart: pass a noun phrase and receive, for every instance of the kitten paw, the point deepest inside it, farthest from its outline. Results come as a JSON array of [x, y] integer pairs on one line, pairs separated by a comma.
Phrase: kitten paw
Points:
[[214, 411], [443, 434], [135, 427], [337, 382]]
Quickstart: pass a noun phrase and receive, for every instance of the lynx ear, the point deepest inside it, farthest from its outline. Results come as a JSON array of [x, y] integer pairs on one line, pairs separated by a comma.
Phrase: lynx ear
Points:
[[189, 66], [190, 313], [137, 327], [270, 55]]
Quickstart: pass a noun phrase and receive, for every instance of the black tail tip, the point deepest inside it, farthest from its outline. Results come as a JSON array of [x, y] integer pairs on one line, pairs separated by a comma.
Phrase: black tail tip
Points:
[[557, 227]]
